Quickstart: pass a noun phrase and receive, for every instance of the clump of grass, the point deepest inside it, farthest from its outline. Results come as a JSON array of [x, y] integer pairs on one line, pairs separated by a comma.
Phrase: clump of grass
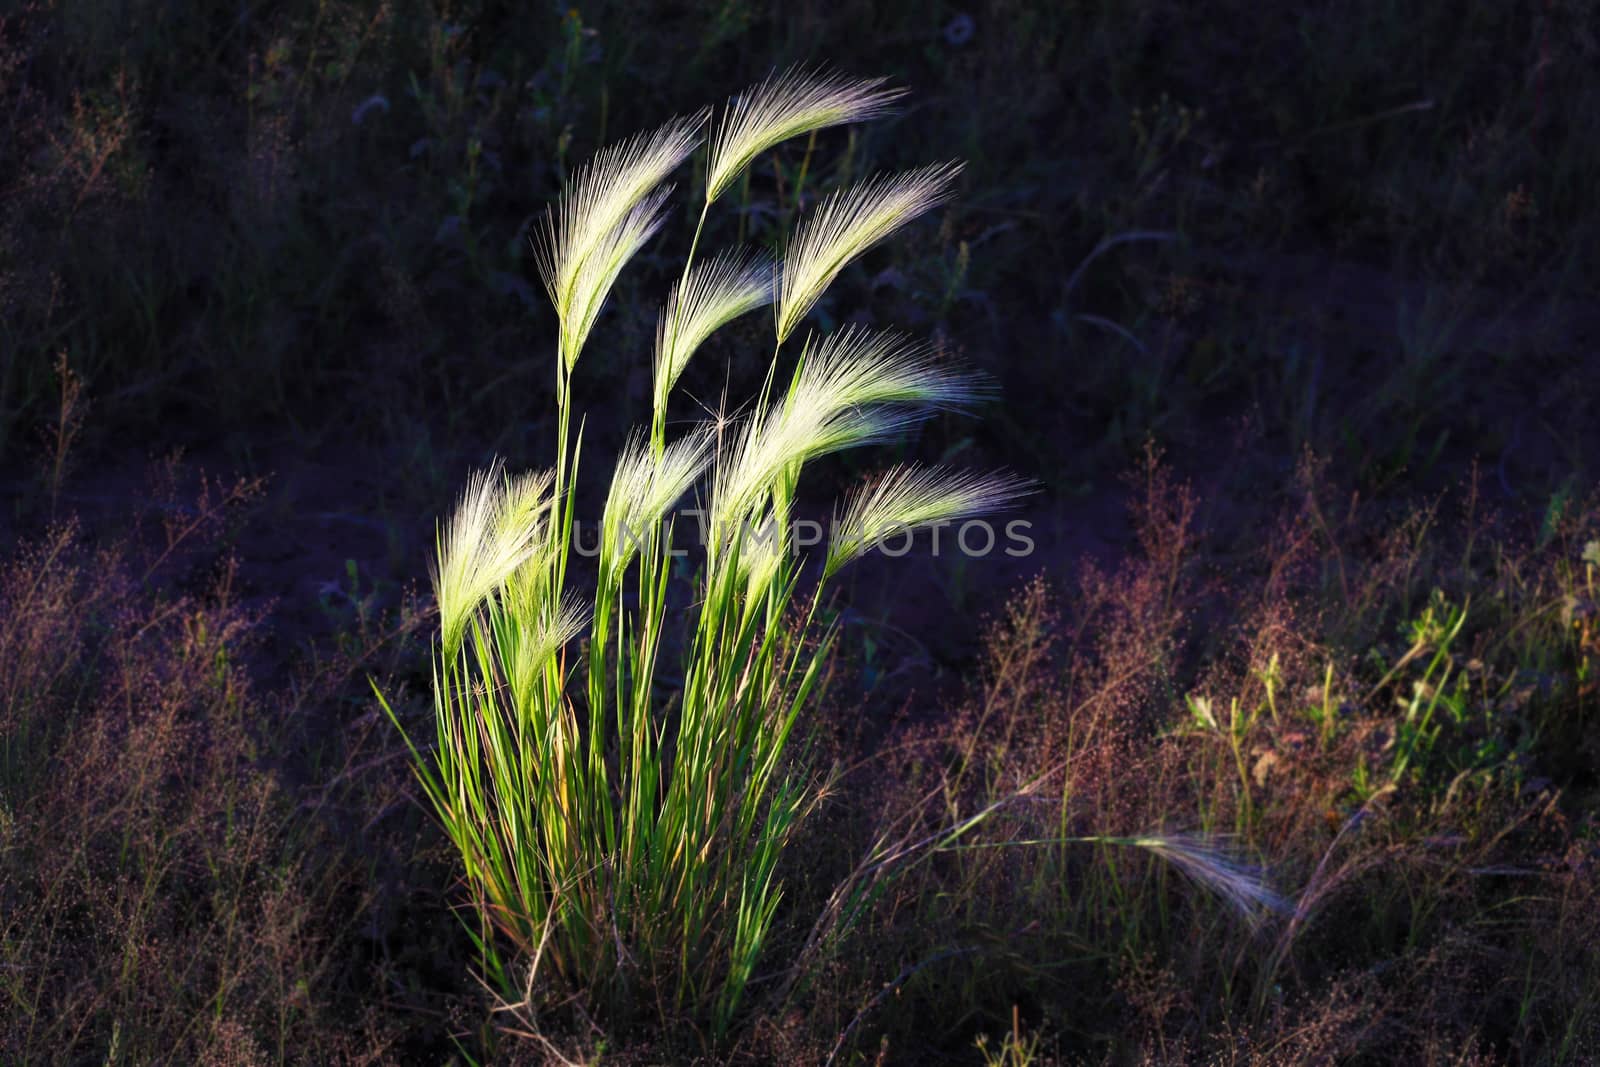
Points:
[[621, 828], [617, 830]]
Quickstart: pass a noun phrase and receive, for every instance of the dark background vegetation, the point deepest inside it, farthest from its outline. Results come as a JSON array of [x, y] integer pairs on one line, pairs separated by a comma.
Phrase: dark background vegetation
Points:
[[1290, 309]]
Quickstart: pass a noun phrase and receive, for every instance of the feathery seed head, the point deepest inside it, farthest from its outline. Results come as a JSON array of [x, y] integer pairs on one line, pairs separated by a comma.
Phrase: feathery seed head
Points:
[[773, 442], [644, 489], [600, 269], [909, 497], [496, 528], [836, 401], [525, 500], [784, 106], [712, 295], [845, 225], [1241, 885], [857, 366], [547, 635], [598, 216]]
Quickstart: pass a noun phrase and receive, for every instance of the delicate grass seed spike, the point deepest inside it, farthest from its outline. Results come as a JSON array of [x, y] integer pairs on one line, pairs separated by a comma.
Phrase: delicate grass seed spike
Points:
[[845, 225], [600, 268], [644, 487], [496, 528], [857, 367], [619, 822], [910, 498], [534, 646], [596, 226], [855, 387], [787, 106], [771, 443], [1240, 884], [706, 299]]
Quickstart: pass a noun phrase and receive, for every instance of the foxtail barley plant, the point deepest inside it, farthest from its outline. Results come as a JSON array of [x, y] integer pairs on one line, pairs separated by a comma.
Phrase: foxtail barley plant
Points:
[[620, 825], [614, 830]]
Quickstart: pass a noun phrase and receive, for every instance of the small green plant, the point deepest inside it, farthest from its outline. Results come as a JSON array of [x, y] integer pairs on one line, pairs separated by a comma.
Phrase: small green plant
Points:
[[1014, 1051], [1432, 633], [619, 830]]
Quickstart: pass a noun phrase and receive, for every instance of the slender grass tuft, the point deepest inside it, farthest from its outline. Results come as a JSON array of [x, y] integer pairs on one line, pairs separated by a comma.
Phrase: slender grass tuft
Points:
[[845, 225], [1240, 884], [857, 366], [909, 498], [785, 106], [603, 218], [708, 298], [495, 529], [620, 823], [644, 487]]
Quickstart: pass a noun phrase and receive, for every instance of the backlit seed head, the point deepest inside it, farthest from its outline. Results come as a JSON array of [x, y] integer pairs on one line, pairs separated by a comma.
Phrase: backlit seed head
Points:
[[845, 225], [598, 224], [785, 106]]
